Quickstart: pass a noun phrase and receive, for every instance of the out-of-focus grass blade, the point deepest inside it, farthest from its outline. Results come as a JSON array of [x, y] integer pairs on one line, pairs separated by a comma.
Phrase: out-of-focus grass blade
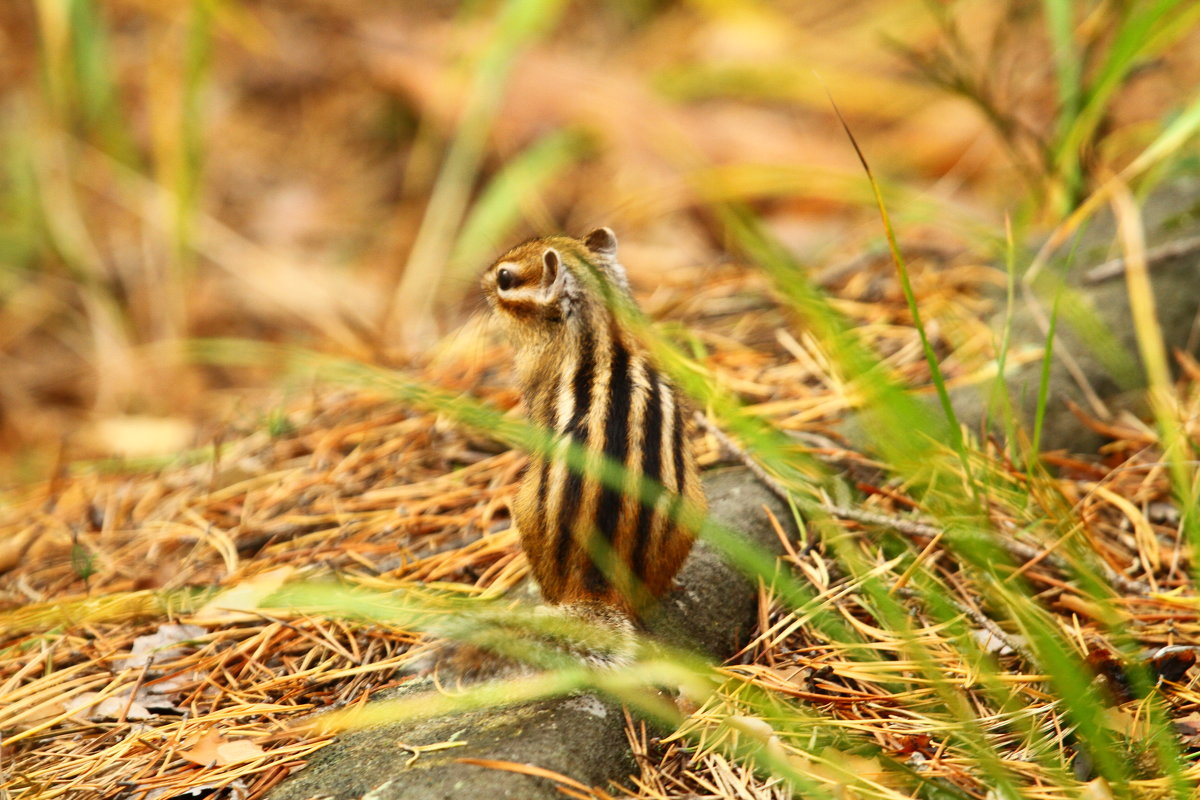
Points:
[[178, 72], [935, 369], [519, 24], [1154, 358], [752, 560], [999, 403], [513, 190], [100, 609], [95, 95], [1060, 22], [1176, 134], [1144, 29], [901, 427], [748, 181], [20, 225], [1039, 416]]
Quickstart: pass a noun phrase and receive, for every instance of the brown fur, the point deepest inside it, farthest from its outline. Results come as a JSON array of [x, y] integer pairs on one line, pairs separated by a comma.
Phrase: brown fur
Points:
[[585, 377]]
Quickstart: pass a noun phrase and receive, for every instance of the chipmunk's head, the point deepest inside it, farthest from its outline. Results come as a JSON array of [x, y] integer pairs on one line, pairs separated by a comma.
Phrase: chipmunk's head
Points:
[[544, 284]]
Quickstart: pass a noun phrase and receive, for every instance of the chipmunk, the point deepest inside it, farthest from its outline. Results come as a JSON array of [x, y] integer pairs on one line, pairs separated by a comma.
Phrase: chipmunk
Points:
[[599, 553]]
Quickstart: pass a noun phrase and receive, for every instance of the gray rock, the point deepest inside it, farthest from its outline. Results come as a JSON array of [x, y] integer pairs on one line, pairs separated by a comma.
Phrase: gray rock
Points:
[[1095, 325], [1108, 355], [581, 736]]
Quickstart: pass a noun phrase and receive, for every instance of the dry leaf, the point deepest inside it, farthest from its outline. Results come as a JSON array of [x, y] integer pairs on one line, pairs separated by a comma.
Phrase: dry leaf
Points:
[[237, 750], [118, 706], [1096, 789], [1188, 729], [162, 645], [213, 749], [202, 749], [1125, 724]]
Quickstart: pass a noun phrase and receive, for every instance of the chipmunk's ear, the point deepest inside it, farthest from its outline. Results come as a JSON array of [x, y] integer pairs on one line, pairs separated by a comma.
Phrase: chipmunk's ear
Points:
[[602, 242], [555, 276], [551, 266]]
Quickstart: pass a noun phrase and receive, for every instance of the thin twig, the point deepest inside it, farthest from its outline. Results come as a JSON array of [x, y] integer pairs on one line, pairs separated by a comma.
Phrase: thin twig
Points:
[[1114, 268], [983, 621], [137, 686]]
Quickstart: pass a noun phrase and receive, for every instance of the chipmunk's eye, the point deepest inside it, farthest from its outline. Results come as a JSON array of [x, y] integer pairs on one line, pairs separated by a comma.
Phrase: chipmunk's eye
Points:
[[505, 280]]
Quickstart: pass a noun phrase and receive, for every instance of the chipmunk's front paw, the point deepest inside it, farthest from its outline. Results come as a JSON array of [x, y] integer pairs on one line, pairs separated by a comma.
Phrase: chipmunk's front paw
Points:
[[507, 645], [463, 663]]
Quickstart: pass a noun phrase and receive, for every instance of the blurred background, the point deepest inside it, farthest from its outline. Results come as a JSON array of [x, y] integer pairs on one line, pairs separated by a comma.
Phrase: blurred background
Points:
[[336, 174]]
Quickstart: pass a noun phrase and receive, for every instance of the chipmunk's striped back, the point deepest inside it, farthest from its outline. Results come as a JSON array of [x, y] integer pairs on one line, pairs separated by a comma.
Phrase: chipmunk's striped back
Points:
[[585, 377]]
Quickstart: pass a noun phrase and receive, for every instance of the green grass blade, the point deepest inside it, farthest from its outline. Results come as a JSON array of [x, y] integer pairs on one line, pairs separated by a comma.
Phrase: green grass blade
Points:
[[514, 189], [1060, 23], [935, 370], [518, 24], [1039, 416], [1143, 29]]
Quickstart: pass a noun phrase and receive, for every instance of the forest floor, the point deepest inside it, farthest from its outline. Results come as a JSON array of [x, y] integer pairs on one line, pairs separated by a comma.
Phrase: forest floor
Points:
[[264, 171]]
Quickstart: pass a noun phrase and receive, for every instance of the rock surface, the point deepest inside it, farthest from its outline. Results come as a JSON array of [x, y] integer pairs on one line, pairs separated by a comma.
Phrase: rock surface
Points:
[[581, 736], [1105, 347], [1114, 367]]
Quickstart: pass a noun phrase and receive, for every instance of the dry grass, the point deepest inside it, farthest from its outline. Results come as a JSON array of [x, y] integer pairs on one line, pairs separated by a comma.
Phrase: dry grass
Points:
[[263, 170], [391, 499], [273, 187], [103, 558]]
